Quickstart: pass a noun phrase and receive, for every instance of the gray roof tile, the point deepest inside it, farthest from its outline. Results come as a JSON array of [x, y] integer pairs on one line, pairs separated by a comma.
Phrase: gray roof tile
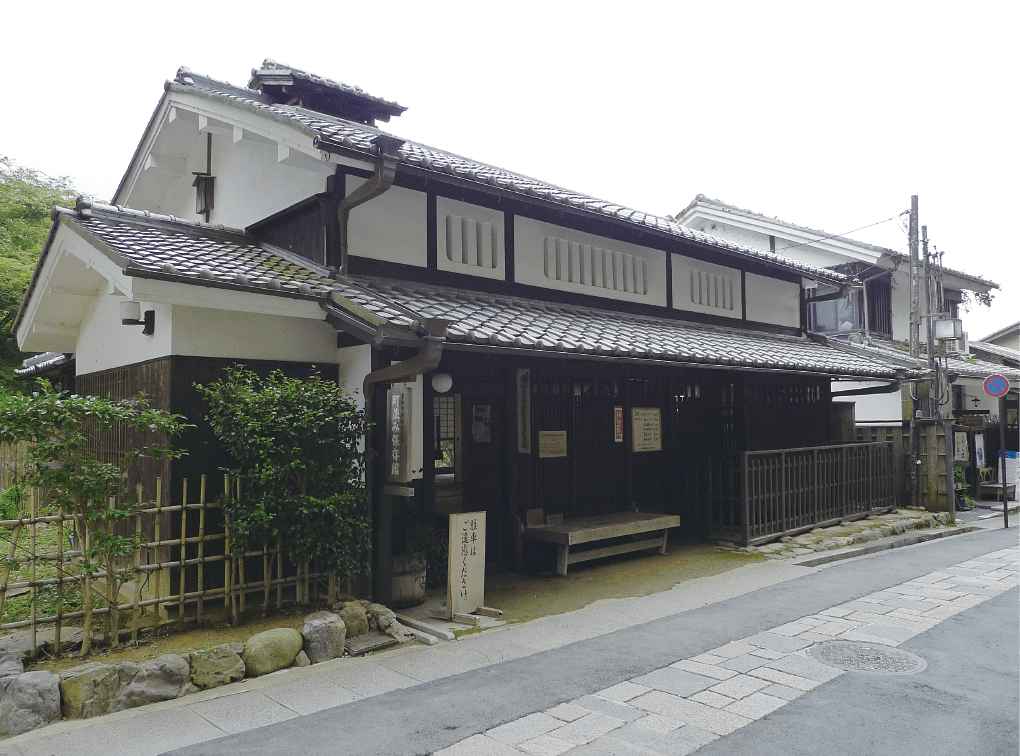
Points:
[[146, 243], [358, 137]]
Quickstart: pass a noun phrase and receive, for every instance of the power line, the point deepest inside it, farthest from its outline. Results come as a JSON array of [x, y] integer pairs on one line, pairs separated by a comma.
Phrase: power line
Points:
[[834, 236]]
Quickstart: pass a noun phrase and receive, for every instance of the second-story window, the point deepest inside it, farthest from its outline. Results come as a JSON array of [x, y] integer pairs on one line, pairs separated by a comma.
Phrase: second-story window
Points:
[[844, 315]]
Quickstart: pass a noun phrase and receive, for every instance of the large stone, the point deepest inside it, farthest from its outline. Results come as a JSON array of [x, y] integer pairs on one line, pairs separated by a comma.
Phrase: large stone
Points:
[[158, 679], [324, 634], [10, 667], [272, 650], [217, 666], [30, 700], [355, 618], [89, 690], [387, 622]]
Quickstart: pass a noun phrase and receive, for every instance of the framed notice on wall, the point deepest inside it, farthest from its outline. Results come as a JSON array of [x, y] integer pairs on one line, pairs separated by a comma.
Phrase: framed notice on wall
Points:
[[481, 423], [552, 443], [646, 428], [618, 424]]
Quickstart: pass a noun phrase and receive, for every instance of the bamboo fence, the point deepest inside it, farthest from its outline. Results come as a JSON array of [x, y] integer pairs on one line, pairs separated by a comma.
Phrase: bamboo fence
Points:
[[184, 571]]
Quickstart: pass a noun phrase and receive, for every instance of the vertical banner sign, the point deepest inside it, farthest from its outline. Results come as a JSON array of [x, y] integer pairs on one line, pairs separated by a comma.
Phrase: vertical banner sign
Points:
[[618, 424], [465, 584], [481, 423], [960, 447], [398, 410], [523, 411]]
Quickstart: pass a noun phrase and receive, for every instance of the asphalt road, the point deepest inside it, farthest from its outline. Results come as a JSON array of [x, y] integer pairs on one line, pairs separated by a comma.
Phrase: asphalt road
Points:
[[965, 702]]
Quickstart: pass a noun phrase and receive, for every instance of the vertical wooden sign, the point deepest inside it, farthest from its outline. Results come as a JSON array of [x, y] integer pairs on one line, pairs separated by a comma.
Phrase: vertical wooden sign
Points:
[[398, 436], [523, 411], [465, 583]]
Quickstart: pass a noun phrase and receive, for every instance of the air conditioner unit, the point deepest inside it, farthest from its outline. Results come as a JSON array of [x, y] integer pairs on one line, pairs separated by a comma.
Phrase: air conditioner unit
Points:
[[952, 346]]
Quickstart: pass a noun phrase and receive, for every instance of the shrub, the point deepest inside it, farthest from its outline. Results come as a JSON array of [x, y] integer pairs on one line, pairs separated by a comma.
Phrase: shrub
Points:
[[296, 447]]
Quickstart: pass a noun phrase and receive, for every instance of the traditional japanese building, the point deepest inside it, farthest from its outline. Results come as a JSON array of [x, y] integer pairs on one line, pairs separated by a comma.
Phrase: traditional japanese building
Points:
[[521, 346]]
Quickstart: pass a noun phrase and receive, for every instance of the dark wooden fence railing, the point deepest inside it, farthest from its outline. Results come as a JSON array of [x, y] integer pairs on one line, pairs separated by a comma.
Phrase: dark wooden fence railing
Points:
[[761, 495]]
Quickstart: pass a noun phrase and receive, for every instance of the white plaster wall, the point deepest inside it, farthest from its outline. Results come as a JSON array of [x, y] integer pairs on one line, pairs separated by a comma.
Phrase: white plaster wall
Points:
[[682, 268], [772, 301], [901, 307], [753, 239], [391, 227], [871, 407], [354, 364], [103, 343], [529, 261], [447, 207], [1008, 340], [250, 183], [200, 332], [974, 389]]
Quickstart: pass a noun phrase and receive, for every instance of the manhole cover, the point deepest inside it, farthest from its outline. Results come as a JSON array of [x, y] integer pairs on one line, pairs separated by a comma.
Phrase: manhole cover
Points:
[[869, 657]]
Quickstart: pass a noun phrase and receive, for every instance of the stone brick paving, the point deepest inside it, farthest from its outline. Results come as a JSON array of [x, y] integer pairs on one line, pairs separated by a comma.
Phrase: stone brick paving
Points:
[[677, 709]]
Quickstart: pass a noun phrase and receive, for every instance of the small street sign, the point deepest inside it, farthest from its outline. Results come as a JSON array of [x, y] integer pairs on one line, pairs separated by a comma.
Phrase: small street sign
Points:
[[996, 386]]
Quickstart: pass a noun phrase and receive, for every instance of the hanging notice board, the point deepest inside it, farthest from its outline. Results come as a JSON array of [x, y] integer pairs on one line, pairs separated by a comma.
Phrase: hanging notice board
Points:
[[465, 582], [646, 428]]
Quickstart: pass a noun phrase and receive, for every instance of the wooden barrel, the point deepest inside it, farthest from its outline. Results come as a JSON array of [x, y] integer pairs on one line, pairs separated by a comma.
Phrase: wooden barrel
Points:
[[408, 582]]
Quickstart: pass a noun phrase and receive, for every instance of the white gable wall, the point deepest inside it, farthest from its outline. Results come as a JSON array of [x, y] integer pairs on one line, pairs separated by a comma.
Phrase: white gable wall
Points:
[[700, 286], [554, 257], [871, 407], [770, 300], [392, 226]]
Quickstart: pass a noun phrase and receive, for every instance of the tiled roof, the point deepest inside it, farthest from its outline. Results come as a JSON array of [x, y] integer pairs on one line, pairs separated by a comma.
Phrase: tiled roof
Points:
[[701, 199], [271, 65], [965, 365], [999, 351], [333, 131], [509, 322], [149, 244]]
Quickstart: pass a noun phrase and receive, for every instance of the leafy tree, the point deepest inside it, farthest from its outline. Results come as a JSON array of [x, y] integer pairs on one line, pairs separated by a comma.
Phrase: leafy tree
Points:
[[26, 199], [58, 426], [296, 447]]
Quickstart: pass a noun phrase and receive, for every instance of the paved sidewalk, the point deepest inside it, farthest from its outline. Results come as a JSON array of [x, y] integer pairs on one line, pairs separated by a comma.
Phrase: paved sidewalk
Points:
[[676, 709], [291, 693]]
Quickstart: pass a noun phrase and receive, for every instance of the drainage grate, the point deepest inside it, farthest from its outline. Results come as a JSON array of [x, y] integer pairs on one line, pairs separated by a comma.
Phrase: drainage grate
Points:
[[869, 657]]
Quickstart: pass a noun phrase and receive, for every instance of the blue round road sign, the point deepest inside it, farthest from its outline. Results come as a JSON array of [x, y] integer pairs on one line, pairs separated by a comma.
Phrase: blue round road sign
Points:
[[996, 385]]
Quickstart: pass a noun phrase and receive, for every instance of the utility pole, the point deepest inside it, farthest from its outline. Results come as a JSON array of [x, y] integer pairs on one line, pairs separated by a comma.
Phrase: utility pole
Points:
[[915, 306], [929, 312], [915, 275]]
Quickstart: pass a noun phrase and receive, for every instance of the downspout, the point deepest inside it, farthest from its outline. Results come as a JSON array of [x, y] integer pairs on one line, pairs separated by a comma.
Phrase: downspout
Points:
[[425, 361], [381, 180]]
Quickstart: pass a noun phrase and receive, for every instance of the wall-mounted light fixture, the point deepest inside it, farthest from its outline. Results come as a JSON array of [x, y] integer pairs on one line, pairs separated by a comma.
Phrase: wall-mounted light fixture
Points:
[[442, 382], [131, 314]]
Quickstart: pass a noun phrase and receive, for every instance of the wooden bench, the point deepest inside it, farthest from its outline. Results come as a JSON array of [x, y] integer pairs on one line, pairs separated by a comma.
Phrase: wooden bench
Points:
[[988, 480], [601, 528]]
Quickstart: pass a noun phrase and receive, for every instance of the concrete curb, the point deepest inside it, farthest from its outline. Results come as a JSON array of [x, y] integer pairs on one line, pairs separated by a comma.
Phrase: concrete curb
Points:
[[893, 543]]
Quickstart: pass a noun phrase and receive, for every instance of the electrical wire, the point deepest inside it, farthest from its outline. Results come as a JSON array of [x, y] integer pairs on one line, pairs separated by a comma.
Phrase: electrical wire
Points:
[[834, 236]]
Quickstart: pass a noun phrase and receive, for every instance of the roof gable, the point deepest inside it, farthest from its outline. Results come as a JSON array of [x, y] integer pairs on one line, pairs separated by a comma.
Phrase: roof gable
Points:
[[326, 133], [835, 248]]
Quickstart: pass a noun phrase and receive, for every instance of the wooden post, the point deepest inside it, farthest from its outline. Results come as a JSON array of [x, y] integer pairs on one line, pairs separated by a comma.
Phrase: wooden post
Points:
[[159, 549], [11, 554], [60, 585], [184, 538], [34, 510], [201, 552], [135, 611]]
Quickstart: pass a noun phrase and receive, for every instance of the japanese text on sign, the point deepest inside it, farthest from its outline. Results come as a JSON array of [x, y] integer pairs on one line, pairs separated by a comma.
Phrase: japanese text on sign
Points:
[[465, 590], [646, 428]]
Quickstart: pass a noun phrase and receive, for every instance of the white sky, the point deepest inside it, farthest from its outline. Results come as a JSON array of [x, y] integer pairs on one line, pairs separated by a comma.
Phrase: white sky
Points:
[[822, 114]]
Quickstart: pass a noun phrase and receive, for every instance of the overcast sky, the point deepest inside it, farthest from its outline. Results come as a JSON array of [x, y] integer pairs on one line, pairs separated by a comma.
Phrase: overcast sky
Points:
[[822, 114]]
